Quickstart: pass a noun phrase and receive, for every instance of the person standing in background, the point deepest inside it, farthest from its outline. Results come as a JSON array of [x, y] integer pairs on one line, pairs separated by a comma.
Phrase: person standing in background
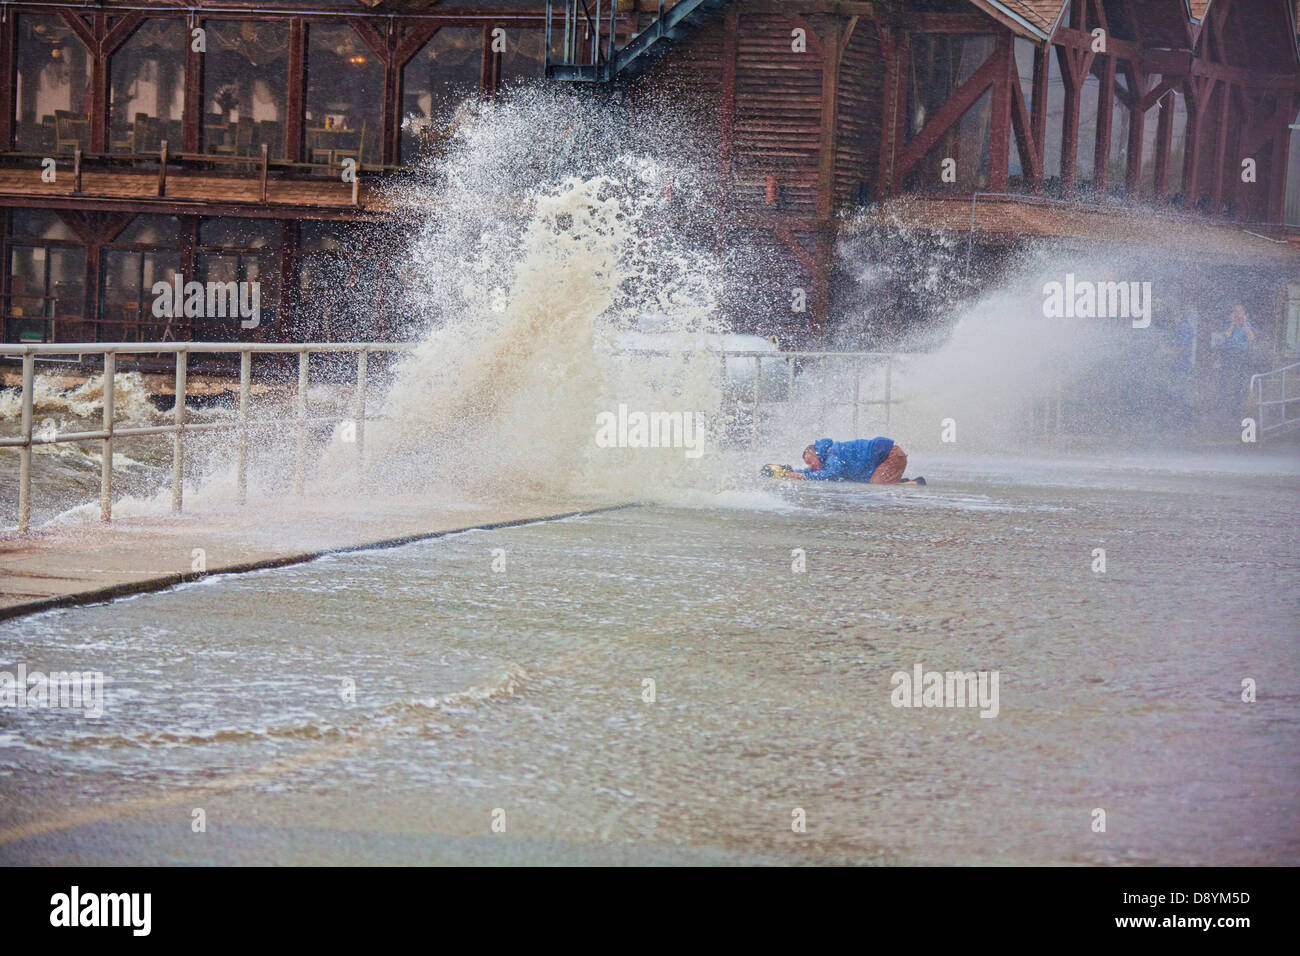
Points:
[[1235, 356]]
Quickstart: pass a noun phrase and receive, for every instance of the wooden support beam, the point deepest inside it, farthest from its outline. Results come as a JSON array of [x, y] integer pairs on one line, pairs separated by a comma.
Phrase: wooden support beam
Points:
[[1136, 129], [1164, 144], [489, 77], [1279, 157], [1000, 121], [1221, 148], [1152, 96], [287, 304], [8, 80], [804, 257], [192, 110], [1031, 154], [1076, 63], [1042, 70], [1200, 92], [888, 108], [831, 50], [727, 108], [1105, 114], [294, 91]]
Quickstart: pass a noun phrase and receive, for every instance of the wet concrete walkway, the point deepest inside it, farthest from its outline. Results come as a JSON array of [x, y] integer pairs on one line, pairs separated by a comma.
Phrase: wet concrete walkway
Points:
[[84, 563]]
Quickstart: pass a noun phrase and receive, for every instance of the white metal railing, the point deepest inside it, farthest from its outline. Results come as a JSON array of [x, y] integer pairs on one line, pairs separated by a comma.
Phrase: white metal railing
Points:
[[857, 362], [25, 441], [1270, 392], [242, 424]]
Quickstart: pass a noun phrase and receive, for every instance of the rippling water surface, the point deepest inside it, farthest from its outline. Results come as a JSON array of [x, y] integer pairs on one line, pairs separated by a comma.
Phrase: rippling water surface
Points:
[[522, 689]]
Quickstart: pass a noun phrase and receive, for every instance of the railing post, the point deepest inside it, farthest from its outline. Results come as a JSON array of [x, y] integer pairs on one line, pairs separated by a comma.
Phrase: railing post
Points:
[[106, 465], [857, 375], [25, 452], [758, 382], [889, 382], [178, 439], [362, 363], [245, 374], [76, 169], [265, 158], [300, 455], [162, 168], [821, 414]]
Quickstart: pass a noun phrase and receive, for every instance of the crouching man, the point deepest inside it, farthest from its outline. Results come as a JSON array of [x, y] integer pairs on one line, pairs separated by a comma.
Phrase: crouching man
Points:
[[875, 460]]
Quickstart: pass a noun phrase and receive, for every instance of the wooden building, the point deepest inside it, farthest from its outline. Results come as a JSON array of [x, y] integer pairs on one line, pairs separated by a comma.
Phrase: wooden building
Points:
[[995, 121]]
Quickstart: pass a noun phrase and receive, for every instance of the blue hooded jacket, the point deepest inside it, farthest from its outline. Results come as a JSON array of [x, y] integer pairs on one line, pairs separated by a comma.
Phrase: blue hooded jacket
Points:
[[848, 460]]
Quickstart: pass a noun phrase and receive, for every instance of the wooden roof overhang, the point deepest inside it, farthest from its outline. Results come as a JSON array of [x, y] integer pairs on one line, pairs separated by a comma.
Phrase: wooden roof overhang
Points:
[[1012, 221]]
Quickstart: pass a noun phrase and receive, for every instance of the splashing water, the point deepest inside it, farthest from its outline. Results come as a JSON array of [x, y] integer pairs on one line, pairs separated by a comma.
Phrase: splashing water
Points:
[[531, 254]]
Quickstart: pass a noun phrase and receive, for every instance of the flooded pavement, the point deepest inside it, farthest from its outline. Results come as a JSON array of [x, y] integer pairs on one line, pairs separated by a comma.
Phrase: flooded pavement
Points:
[[487, 697]]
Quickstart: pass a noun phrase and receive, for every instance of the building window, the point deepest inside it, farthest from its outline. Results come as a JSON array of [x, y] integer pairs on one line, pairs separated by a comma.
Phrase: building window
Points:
[[239, 251], [345, 97], [434, 83], [938, 65], [524, 58], [147, 88], [1085, 157], [52, 101], [245, 75], [346, 287], [45, 276], [142, 254]]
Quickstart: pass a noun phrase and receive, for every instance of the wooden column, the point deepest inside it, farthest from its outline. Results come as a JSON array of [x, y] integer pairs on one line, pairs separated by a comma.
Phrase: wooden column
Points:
[[390, 143], [888, 107], [189, 239], [1278, 159], [295, 90], [288, 303], [727, 107], [1105, 115], [1136, 130], [490, 67], [1000, 123], [8, 79], [1070, 127], [192, 112], [1042, 71], [829, 119], [1221, 148], [1164, 144], [1200, 94]]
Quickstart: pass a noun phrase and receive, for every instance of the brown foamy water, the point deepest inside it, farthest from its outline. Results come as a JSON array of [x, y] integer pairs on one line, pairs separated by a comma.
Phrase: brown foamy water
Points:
[[522, 689]]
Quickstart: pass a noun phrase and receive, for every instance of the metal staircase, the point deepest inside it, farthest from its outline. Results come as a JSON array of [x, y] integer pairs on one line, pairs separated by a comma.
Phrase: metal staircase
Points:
[[582, 38]]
